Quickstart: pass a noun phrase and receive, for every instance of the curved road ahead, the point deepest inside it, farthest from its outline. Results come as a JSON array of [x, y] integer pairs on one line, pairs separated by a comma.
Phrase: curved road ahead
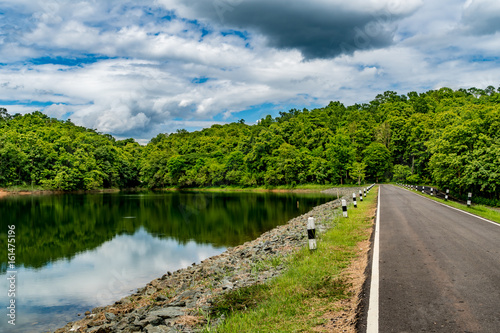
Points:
[[439, 268]]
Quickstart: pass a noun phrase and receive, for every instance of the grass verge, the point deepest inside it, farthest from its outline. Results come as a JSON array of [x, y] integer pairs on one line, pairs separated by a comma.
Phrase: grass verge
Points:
[[300, 187], [311, 295], [479, 210]]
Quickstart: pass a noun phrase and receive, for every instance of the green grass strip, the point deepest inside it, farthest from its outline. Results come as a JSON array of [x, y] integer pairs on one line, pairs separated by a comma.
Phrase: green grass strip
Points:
[[479, 210], [297, 300], [308, 187]]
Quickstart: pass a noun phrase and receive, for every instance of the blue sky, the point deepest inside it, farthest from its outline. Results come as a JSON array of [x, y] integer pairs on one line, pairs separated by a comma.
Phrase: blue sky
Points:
[[139, 68]]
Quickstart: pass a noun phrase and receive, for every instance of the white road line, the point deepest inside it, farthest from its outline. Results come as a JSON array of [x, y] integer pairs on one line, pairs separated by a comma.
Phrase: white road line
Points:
[[457, 209], [372, 320]]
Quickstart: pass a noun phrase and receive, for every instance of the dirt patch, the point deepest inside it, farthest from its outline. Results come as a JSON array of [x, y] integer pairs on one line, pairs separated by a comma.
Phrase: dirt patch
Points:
[[345, 315]]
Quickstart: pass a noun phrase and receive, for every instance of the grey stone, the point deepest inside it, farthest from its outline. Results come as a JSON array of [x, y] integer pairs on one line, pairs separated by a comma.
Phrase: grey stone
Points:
[[110, 316], [107, 328], [139, 323], [154, 320], [177, 303], [227, 285], [157, 329], [161, 298], [169, 312], [122, 324], [187, 294]]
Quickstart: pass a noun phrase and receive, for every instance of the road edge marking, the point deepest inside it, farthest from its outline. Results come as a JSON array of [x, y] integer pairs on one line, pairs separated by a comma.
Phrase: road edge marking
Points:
[[457, 209], [372, 320]]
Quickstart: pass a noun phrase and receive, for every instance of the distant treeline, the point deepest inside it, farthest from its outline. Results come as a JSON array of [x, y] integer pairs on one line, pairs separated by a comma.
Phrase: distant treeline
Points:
[[443, 137]]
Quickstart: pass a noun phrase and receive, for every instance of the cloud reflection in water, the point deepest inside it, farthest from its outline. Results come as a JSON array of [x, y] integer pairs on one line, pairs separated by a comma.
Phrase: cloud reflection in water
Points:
[[101, 276]]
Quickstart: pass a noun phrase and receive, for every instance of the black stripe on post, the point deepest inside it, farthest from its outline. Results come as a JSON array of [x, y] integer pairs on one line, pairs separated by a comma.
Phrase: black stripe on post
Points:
[[311, 233]]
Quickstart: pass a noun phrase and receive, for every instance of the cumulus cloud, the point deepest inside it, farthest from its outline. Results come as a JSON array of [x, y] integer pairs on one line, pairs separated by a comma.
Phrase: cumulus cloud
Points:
[[481, 17]]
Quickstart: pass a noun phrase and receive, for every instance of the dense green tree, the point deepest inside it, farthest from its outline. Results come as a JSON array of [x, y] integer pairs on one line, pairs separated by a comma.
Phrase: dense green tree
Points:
[[358, 172], [445, 137], [377, 159], [401, 173], [36, 150]]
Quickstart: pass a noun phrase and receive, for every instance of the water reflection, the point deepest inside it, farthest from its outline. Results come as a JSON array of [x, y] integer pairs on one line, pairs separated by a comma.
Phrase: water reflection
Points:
[[75, 252], [107, 273]]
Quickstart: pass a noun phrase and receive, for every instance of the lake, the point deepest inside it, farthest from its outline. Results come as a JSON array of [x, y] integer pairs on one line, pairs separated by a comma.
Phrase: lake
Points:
[[78, 251]]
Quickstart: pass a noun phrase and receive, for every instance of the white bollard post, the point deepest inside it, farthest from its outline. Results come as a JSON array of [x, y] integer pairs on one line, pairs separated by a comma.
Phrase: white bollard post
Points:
[[360, 196], [344, 208], [311, 233], [354, 200], [469, 199], [432, 191], [364, 191]]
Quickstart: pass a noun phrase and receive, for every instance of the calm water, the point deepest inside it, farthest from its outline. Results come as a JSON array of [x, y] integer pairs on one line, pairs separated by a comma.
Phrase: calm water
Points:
[[75, 252]]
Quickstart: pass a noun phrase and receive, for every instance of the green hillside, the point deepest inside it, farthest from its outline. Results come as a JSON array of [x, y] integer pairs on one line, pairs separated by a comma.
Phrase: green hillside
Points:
[[443, 137]]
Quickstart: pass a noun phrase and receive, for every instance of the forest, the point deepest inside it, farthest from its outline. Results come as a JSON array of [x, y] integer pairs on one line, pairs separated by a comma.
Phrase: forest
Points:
[[446, 138]]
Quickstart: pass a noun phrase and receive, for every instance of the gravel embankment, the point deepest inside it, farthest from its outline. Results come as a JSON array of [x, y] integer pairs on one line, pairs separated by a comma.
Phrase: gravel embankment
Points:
[[177, 301]]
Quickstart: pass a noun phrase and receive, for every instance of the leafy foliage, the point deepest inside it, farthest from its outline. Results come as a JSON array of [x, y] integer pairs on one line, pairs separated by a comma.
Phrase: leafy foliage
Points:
[[446, 137], [38, 150]]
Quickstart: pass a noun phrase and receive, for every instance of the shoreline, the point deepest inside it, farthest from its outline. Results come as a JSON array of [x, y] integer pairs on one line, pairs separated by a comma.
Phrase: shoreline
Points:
[[13, 192], [4, 192], [180, 300]]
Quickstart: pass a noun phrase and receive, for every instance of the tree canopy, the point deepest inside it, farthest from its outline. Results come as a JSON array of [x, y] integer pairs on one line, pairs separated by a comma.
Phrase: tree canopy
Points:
[[43, 151], [444, 137]]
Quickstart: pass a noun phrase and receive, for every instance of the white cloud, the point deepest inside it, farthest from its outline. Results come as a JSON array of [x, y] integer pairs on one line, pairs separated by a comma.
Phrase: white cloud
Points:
[[482, 16]]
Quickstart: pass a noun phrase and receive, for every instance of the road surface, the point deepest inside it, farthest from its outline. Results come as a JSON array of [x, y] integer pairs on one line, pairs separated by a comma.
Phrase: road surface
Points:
[[439, 269]]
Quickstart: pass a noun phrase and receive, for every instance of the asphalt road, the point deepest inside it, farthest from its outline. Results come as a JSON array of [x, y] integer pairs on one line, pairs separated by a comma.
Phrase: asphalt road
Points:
[[439, 268]]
